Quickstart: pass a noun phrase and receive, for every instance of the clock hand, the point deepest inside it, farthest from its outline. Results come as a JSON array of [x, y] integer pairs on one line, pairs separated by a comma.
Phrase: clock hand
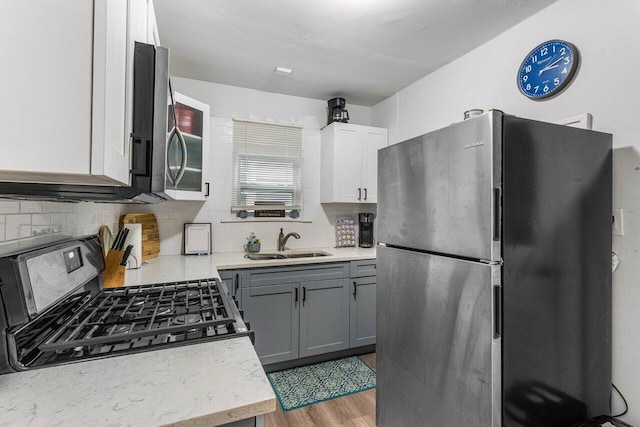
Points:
[[551, 65]]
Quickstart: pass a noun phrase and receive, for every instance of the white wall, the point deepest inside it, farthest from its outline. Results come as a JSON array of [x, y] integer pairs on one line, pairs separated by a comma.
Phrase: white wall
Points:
[[606, 86], [227, 102]]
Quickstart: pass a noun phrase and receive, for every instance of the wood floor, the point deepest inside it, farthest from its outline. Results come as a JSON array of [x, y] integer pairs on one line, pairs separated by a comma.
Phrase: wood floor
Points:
[[355, 410]]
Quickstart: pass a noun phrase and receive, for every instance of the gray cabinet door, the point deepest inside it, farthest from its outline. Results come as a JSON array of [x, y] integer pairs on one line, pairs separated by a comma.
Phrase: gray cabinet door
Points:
[[324, 316], [273, 313], [362, 311], [232, 278]]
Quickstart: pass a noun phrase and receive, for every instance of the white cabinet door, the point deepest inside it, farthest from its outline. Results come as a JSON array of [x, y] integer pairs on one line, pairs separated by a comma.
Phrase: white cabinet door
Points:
[[110, 134], [347, 164], [45, 113], [193, 121], [68, 107], [373, 140], [349, 156]]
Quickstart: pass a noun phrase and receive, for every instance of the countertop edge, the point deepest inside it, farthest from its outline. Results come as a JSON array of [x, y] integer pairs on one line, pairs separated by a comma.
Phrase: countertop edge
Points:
[[228, 416]]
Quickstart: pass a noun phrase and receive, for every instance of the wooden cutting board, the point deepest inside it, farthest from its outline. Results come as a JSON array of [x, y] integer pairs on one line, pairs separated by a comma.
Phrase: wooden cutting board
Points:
[[106, 239], [150, 234]]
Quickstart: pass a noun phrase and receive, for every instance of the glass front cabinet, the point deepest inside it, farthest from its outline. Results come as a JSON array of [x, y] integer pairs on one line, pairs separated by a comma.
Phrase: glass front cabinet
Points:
[[188, 163]]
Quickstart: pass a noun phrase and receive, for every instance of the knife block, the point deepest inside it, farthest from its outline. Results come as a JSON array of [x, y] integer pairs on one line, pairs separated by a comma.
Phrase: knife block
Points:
[[113, 274]]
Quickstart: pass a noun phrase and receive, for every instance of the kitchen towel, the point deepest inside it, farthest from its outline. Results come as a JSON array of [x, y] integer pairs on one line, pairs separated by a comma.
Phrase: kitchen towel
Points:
[[311, 384]]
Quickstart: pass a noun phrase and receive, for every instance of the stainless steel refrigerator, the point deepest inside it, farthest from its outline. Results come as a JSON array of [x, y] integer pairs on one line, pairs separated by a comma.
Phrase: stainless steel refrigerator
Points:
[[494, 275]]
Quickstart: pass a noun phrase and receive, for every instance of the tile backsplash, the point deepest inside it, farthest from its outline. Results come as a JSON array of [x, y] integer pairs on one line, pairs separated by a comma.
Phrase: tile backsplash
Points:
[[29, 223]]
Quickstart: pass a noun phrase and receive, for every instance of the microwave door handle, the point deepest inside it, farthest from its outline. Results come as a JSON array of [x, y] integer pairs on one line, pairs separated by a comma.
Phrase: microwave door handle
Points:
[[183, 164], [170, 174]]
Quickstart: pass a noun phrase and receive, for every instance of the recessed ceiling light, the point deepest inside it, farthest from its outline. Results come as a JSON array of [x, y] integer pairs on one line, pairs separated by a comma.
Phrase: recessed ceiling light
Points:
[[282, 71]]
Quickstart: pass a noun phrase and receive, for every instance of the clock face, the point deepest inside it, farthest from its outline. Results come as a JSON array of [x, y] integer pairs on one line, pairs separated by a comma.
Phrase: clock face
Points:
[[548, 69]]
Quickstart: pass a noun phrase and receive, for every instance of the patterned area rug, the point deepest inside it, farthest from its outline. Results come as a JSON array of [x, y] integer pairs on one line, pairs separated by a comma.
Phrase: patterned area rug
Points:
[[311, 384]]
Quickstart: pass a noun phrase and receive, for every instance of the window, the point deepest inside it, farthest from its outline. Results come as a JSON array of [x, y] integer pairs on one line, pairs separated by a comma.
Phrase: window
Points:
[[267, 166]]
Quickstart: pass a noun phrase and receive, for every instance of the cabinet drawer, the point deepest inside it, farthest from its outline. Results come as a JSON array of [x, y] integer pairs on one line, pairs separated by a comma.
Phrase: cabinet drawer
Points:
[[363, 268], [296, 274]]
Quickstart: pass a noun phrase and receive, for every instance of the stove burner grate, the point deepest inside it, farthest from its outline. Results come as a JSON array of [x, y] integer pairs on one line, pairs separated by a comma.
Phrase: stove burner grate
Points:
[[121, 319]]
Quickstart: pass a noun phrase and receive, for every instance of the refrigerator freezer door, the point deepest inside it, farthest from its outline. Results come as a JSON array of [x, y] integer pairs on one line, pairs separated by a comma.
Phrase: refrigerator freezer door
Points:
[[439, 192], [438, 360]]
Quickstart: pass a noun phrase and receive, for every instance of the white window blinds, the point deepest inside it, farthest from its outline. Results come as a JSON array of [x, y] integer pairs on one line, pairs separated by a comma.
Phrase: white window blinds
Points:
[[267, 166]]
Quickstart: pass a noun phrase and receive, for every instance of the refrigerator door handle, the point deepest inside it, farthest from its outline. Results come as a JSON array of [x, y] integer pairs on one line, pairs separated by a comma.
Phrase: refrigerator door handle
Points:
[[497, 312], [497, 220]]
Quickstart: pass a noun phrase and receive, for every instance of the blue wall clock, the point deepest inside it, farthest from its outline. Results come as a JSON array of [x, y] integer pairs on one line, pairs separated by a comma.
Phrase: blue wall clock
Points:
[[548, 69]]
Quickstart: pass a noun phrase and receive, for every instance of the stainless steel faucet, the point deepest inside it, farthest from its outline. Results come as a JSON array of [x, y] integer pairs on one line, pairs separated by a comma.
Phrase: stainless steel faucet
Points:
[[282, 239]]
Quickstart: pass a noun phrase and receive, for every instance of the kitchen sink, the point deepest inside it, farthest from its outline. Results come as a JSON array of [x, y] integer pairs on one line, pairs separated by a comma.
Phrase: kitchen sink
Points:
[[306, 254], [289, 255], [259, 257]]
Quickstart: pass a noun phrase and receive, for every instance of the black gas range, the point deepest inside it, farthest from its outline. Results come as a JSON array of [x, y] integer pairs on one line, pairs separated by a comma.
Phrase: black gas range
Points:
[[54, 309]]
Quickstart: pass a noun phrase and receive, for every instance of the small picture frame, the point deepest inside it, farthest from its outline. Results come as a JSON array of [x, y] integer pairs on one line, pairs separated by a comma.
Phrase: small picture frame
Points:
[[197, 238]]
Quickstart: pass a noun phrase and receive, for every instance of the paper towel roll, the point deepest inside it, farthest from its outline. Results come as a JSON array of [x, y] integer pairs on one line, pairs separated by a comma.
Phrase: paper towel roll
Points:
[[134, 238]]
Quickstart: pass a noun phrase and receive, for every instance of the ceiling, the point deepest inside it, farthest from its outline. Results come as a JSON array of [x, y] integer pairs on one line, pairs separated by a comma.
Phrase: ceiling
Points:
[[361, 50]]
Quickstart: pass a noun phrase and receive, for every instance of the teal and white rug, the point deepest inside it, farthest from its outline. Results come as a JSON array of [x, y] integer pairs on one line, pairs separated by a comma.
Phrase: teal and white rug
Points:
[[311, 384]]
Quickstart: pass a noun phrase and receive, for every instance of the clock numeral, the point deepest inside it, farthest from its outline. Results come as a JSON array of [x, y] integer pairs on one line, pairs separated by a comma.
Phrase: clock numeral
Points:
[[534, 58], [528, 86], [563, 51], [554, 48], [527, 69], [556, 81], [544, 51], [545, 89], [525, 78], [536, 89], [564, 71], [566, 60]]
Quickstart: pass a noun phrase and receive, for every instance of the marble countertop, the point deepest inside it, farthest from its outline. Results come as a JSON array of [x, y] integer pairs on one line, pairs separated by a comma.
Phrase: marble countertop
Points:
[[195, 385], [167, 268]]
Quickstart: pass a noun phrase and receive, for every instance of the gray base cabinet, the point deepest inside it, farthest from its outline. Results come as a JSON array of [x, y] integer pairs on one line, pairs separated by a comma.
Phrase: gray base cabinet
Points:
[[308, 310], [324, 317], [362, 301], [297, 311], [233, 280], [273, 312]]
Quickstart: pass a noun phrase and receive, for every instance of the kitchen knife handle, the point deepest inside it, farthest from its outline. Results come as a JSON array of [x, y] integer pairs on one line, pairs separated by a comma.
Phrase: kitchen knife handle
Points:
[[365, 194], [116, 239], [123, 239], [355, 290], [125, 257], [304, 294], [359, 193]]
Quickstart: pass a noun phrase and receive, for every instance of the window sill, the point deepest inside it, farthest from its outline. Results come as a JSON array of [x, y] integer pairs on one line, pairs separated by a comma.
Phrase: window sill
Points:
[[241, 220]]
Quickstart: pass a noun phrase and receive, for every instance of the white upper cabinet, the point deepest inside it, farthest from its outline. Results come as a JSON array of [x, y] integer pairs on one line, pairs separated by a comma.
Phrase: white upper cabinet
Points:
[[188, 150], [66, 117], [349, 163]]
